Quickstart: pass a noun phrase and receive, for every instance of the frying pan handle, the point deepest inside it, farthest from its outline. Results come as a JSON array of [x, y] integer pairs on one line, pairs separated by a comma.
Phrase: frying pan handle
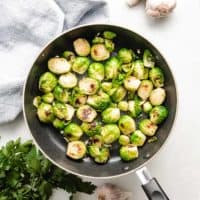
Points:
[[150, 185]]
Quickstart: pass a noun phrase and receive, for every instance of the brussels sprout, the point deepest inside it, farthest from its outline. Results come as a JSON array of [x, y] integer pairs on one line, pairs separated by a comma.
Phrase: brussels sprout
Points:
[[48, 97], [93, 150], [61, 94], [47, 82], [103, 157], [37, 101], [70, 112], [86, 113], [147, 107], [124, 140], [131, 83], [81, 47], [45, 113], [80, 65], [72, 132], [109, 44], [111, 68], [109, 35], [68, 80], [157, 96], [60, 110], [135, 107], [110, 133], [157, 77], [123, 105], [96, 140], [138, 69], [148, 59], [99, 52], [147, 127], [106, 86], [88, 86], [96, 71], [69, 56], [98, 40], [119, 94], [145, 89], [76, 150], [91, 129], [59, 124], [146, 73], [99, 102], [77, 98], [125, 55], [128, 152], [111, 115], [138, 138], [158, 114], [126, 124], [127, 68]]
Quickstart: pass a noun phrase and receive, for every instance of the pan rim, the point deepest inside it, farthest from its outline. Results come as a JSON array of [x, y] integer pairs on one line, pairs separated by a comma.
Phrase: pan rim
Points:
[[124, 173]]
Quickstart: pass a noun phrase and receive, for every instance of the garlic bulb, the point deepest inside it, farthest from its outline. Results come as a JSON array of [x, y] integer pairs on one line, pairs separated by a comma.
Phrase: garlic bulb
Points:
[[159, 8], [111, 192], [132, 2]]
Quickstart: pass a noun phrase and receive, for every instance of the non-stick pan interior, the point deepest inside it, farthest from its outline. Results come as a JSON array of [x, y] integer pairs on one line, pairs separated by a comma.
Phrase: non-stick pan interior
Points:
[[49, 139]]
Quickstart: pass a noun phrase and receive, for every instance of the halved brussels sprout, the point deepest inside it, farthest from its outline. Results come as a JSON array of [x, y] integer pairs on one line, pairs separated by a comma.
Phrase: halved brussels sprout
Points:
[[69, 55], [147, 127], [125, 55], [109, 35], [158, 114], [124, 140], [145, 89], [37, 101], [129, 152], [96, 140], [91, 129], [98, 40], [138, 69], [135, 107], [45, 113], [59, 124], [96, 71], [123, 105], [100, 102], [109, 44], [111, 115], [59, 65], [148, 59], [110, 133], [157, 77], [80, 65], [111, 68], [72, 132], [48, 97], [99, 52], [138, 138], [106, 86], [126, 124], [70, 112], [61, 94], [103, 157], [131, 83], [47, 82], [127, 68], [147, 107], [157, 96], [86, 113], [88, 86], [119, 94], [76, 150], [68, 80], [60, 110], [82, 47], [93, 150]]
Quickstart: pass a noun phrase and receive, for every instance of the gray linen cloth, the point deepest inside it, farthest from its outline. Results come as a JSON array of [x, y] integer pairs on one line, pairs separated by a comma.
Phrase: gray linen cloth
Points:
[[25, 26]]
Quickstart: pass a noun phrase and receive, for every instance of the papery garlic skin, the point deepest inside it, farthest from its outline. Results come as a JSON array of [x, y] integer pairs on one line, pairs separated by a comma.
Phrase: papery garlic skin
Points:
[[132, 2], [160, 8]]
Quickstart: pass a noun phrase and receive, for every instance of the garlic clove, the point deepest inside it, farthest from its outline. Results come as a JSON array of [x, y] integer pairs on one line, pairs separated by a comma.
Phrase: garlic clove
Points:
[[132, 3]]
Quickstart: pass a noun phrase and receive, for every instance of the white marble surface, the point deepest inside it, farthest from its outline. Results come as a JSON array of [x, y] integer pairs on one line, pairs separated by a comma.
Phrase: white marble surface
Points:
[[178, 38]]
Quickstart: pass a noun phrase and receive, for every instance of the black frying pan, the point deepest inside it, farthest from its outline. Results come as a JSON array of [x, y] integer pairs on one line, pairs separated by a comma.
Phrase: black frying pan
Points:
[[52, 143]]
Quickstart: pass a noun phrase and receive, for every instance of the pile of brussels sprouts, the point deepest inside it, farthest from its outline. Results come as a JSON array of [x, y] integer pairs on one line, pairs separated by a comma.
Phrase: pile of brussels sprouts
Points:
[[96, 96]]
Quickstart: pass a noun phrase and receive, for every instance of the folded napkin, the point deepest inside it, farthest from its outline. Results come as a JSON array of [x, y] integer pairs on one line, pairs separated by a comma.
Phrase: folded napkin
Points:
[[25, 26]]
